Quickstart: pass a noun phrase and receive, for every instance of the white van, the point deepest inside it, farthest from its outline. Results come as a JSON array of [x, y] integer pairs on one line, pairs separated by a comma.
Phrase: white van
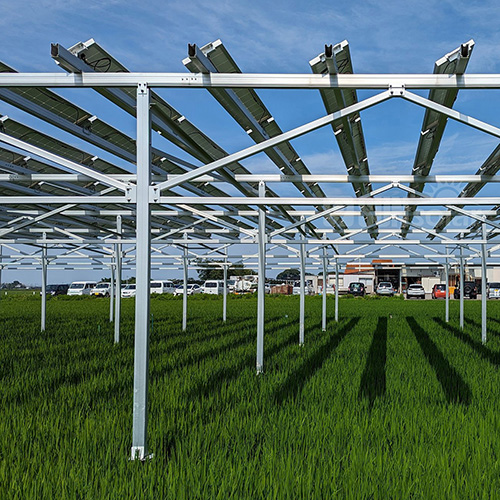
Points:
[[308, 288], [81, 287], [215, 287], [158, 286]]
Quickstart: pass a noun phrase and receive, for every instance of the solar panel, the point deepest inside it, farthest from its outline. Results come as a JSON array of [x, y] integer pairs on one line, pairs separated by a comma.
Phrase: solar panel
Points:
[[434, 123], [348, 131], [248, 110]]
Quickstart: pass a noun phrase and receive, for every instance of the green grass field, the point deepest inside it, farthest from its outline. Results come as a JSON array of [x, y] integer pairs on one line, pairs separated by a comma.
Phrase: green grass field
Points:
[[391, 402]]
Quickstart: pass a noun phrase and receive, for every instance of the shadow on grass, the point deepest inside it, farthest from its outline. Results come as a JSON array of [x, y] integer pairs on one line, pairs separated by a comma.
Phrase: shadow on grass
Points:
[[297, 379], [488, 326], [491, 356], [455, 388], [160, 371], [226, 374], [373, 380]]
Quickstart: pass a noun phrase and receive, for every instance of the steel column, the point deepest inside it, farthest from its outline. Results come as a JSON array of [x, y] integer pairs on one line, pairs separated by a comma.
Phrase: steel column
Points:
[[1, 266], [184, 287], [302, 257], [111, 290], [261, 240], [484, 277], [447, 307], [44, 287], [118, 276], [224, 293], [143, 273], [336, 290], [462, 280], [325, 286]]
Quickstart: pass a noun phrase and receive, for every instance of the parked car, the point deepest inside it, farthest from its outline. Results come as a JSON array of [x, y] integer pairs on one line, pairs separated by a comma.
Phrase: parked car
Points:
[[385, 288], [56, 290], [439, 291], [357, 289], [214, 287], [309, 290], [81, 287], [128, 291], [493, 290], [231, 286], [102, 290], [190, 289], [330, 289], [470, 290], [158, 286], [415, 291]]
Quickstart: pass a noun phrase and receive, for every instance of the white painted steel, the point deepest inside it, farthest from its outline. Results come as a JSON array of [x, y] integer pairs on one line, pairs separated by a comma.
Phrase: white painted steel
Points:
[[255, 80], [484, 278], [462, 280], [143, 265], [44, 288], [261, 242]]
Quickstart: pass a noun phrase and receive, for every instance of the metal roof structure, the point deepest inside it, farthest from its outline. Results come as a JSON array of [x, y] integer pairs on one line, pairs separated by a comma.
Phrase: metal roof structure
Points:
[[80, 191]]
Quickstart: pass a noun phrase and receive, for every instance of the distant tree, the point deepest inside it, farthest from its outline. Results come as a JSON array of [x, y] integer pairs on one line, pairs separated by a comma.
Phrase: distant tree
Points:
[[105, 280], [208, 271], [14, 284], [289, 275]]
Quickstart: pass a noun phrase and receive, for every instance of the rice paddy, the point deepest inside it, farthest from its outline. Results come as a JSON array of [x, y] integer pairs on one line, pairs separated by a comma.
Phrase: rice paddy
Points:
[[391, 402]]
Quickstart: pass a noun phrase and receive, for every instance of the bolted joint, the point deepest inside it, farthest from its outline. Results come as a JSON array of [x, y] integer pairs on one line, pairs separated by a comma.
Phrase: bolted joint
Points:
[[142, 88], [397, 90], [131, 193], [154, 194]]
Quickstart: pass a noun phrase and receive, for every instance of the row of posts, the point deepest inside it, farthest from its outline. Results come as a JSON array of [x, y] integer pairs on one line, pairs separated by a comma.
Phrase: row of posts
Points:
[[139, 448]]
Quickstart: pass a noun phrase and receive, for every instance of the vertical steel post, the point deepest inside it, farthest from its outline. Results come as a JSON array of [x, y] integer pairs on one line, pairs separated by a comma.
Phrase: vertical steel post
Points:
[[1, 267], [118, 275], [447, 307], [224, 293], [111, 290], [484, 277], [400, 291], [336, 290], [44, 286], [143, 276], [462, 280], [302, 255], [325, 286], [261, 240], [184, 283]]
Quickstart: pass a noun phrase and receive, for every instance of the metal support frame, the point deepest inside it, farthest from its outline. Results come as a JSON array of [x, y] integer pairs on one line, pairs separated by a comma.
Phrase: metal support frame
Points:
[[336, 290], [325, 286], [462, 281], [143, 266], [484, 293], [261, 290], [224, 293], [302, 305], [447, 299], [21, 225], [184, 285], [118, 277], [44, 288], [111, 291]]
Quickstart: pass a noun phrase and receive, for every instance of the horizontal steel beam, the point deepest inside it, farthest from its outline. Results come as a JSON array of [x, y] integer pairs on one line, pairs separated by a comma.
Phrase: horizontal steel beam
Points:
[[386, 201], [255, 80], [267, 178]]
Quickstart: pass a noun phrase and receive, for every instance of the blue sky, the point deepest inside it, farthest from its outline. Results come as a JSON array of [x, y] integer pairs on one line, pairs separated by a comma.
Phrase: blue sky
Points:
[[279, 36]]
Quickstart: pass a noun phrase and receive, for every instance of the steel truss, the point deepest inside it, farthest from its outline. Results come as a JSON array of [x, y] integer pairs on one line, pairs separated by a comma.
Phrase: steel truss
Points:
[[62, 207]]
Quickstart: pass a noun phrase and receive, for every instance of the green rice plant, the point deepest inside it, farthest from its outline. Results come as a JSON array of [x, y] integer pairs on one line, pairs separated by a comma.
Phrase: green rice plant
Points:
[[390, 402]]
